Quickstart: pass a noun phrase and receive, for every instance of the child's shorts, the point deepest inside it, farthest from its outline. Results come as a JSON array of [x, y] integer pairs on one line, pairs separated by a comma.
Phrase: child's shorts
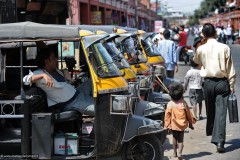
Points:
[[195, 96]]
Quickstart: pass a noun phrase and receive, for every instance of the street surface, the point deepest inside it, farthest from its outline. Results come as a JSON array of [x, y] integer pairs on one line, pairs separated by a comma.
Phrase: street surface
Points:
[[197, 145]]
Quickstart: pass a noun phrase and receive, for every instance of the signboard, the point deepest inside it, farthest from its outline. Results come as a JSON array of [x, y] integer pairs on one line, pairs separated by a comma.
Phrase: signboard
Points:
[[96, 17], [158, 25], [67, 49]]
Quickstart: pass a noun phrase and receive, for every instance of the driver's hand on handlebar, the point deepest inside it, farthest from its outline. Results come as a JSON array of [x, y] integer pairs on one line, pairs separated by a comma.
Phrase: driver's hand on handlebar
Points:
[[49, 81]]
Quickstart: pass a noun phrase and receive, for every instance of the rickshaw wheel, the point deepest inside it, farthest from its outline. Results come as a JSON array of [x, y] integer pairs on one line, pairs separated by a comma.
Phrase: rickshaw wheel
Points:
[[143, 148]]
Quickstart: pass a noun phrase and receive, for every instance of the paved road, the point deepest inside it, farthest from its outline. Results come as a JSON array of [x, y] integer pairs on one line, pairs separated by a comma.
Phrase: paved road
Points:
[[197, 145]]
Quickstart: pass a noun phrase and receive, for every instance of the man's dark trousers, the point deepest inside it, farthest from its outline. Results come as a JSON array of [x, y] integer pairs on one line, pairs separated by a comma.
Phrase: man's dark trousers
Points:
[[216, 91]]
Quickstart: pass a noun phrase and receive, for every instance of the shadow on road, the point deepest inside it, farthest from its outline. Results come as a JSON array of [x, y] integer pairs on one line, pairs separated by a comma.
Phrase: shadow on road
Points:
[[182, 64], [196, 155], [167, 144], [234, 144]]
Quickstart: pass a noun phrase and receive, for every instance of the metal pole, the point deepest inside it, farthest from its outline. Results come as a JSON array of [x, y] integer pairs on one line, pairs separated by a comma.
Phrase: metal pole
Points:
[[21, 71], [61, 55], [150, 20], [26, 128], [156, 6], [136, 13]]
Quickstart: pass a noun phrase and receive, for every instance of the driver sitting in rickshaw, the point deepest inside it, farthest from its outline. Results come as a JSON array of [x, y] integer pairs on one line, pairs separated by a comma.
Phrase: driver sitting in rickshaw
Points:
[[59, 92]]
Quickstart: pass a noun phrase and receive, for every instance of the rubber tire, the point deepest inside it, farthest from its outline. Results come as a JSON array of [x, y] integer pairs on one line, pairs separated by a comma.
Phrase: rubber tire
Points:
[[150, 140]]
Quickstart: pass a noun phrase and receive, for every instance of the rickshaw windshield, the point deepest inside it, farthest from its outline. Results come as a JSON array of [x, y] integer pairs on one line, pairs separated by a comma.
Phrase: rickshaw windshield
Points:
[[102, 61], [134, 56], [129, 44], [119, 59], [150, 48]]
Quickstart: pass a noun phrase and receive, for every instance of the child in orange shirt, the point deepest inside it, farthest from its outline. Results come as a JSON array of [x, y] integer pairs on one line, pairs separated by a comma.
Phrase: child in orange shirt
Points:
[[177, 117]]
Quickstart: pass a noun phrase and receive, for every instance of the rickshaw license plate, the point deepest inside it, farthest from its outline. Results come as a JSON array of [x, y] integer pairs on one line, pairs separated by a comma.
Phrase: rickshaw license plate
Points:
[[72, 144]]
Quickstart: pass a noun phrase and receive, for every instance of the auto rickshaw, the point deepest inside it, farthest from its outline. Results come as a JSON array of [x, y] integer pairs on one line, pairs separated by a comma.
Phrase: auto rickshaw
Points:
[[142, 108], [128, 49], [116, 130], [154, 59], [143, 74]]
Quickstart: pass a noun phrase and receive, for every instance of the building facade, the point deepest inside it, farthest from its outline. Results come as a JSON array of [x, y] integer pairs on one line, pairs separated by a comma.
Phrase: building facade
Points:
[[7, 11], [131, 13], [229, 15]]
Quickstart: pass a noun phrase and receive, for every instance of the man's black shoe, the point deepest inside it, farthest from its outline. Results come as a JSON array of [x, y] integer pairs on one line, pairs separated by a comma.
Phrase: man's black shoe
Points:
[[220, 148]]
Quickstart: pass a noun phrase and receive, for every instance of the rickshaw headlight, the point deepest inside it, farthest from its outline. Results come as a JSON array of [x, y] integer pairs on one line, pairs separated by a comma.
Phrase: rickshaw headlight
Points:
[[145, 82], [121, 104], [160, 71]]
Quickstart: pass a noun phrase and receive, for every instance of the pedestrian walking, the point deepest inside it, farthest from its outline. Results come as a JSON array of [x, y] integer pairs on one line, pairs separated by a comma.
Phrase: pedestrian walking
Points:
[[229, 33], [183, 36], [177, 117], [167, 49], [219, 79], [193, 81]]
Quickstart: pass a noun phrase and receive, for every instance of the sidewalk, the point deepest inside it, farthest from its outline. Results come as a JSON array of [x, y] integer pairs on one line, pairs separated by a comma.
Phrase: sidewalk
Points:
[[197, 145]]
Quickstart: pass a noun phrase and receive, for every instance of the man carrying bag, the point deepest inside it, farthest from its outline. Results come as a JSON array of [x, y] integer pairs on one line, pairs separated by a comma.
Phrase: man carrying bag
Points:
[[219, 79]]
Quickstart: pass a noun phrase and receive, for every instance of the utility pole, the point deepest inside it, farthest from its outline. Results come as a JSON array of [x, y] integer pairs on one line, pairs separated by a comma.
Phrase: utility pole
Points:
[[136, 13]]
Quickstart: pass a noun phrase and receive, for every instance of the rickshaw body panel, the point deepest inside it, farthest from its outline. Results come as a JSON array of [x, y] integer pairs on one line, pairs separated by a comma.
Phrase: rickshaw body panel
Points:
[[143, 67], [84, 33], [141, 32], [155, 60], [108, 85], [138, 125], [121, 31], [128, 73], [152, 60], [110, 127]]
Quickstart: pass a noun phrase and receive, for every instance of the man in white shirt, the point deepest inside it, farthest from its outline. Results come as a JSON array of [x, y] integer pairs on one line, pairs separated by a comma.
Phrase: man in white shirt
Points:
[[219, 79], [229, 33], [59, 92]]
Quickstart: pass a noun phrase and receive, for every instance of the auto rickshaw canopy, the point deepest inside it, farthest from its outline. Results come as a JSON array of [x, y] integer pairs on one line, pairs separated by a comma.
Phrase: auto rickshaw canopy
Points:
[[30, 31]]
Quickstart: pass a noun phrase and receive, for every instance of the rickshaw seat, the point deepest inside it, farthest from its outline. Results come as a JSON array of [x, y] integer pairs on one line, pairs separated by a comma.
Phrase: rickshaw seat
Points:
[[39, 104], [65, 116]]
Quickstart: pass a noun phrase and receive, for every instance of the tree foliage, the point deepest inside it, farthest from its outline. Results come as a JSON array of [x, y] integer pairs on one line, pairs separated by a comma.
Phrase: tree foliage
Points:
[[205, 10]]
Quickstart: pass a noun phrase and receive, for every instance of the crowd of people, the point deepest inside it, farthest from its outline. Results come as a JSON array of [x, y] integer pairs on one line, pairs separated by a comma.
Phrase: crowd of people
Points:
[[211, 78]]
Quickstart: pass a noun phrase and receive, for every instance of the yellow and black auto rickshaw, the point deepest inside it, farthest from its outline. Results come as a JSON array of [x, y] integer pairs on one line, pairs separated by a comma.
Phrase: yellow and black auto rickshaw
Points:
[[115, 130]]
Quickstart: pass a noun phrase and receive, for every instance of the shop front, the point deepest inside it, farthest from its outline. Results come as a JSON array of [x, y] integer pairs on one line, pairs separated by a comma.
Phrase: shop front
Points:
[[47, 12], [7, 11]]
